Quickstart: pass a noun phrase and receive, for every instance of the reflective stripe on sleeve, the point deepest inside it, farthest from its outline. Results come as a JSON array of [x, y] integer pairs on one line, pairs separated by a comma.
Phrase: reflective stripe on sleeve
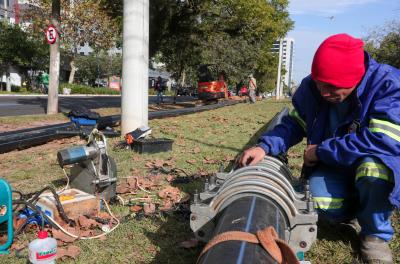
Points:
[[385, 127], [295, 115], [376, 170], [328, 203]]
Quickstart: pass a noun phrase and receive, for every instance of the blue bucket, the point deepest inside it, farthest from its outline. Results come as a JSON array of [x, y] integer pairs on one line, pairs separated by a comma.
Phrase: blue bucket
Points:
[[6, 214]]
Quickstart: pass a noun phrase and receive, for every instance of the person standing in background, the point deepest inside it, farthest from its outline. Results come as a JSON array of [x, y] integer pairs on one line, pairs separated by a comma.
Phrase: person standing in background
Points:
[[45, 82], [159, 88], [252, 86]]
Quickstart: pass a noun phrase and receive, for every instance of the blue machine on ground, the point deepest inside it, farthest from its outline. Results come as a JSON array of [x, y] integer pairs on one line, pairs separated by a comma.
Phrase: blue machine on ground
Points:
[[6, 214]]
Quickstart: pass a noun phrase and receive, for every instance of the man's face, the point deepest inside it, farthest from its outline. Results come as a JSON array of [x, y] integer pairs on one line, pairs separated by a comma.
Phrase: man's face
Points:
[[332, 93]]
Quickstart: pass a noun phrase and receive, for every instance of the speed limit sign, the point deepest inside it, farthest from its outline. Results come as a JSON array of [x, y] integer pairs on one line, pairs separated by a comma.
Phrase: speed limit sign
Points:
[[51, 34]]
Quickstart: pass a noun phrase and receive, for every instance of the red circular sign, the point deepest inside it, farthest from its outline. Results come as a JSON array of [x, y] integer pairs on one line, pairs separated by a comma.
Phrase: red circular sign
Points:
[[51, 34]]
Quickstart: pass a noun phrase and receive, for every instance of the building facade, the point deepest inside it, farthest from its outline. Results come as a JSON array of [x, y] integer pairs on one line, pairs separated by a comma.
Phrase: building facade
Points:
[[7, 10], [7, 13], [287, 58]]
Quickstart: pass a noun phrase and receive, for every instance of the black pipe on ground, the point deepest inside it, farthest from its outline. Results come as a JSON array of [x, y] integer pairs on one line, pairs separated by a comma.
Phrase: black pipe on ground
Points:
[[25, 138], [247, 214], [250, 199], [30, 137]]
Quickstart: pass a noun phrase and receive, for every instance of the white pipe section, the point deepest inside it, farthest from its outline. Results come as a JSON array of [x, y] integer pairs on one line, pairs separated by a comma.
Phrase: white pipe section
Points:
[[135, 69], [278, 81]]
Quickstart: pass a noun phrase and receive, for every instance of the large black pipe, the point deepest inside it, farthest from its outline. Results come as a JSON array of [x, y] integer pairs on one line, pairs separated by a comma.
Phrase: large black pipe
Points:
[[247, 214], [25, 138], [30, 137], [34, 130]]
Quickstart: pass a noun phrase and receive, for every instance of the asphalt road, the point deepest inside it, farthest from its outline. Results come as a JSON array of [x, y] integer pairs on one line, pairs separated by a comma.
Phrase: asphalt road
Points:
[[32, 105]]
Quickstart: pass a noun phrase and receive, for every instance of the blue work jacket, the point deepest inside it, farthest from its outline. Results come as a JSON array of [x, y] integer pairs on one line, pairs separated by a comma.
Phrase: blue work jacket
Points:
[[371, 128]]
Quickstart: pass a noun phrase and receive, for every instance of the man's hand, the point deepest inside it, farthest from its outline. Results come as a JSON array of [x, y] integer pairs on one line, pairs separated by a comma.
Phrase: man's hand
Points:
[[251, 156], [310, 155]]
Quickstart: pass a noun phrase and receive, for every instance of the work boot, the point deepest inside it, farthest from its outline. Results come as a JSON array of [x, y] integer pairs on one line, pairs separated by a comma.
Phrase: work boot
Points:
[[375, 250], [352, 225]]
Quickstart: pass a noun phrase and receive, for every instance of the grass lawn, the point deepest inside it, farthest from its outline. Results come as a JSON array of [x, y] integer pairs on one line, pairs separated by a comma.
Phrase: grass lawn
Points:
[[216, 136]]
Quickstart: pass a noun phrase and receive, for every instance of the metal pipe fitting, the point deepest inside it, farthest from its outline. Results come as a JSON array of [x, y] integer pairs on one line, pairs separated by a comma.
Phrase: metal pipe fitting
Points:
[[266, 186]]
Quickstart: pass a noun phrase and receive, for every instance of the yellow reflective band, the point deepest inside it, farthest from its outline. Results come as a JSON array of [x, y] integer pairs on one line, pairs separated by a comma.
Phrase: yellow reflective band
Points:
[[384, 122], [328, 202], [295, 115], [385, 127], [376, 170]]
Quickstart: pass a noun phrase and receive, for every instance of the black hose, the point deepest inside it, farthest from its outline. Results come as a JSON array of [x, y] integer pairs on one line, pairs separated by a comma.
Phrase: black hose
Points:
[[22, 227], [21, 195], [58, 203], [33, 208]]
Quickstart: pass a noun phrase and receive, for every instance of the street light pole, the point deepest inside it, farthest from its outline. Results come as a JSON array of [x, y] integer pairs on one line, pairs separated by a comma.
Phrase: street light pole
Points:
[[135, 70]]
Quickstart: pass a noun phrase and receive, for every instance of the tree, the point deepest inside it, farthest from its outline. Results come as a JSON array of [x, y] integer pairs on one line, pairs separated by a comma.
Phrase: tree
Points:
[[82, 21], [21, 50], [161, 12], [237, 35], [97, 66], [114, 9], [384, 44]]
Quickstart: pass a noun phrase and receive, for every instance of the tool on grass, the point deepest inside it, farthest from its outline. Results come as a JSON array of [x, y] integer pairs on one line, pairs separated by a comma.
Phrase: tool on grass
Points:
[[134, 135], [92, 169], [236, 206]]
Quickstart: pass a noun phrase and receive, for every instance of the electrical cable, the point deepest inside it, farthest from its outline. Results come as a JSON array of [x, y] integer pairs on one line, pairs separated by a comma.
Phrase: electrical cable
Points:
[[140, 187], [58, 203], [93, 237], [19, 193], [33, 207], [21, 197], [66, 186], [121, 200], [22, 227], [55, 224]]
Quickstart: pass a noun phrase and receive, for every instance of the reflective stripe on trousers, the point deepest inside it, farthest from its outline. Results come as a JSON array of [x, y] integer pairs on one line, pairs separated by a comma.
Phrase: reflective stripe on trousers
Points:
[[343, 193]]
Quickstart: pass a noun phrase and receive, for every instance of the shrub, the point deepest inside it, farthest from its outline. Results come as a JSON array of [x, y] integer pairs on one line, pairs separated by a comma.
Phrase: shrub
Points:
[[83, 89], [15, 88]]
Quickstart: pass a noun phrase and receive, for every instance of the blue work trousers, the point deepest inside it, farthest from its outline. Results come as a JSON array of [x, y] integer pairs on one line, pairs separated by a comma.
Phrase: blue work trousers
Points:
[[160, 98], [342, 194]]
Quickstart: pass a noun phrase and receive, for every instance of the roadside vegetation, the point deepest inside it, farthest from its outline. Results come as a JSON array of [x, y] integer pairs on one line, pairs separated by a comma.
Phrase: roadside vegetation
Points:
[[84, 89], [74, 89], [202, 143]]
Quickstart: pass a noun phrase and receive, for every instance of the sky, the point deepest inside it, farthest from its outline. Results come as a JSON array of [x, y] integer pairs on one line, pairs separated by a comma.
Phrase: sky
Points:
[[315, 20]]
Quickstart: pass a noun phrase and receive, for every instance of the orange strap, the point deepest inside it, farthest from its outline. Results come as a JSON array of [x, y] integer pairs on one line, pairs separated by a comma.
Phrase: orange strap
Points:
[[268, 238]]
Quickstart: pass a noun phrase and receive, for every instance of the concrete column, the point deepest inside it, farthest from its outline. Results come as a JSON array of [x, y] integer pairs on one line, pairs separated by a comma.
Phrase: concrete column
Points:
[[278, 81], [135, 69]]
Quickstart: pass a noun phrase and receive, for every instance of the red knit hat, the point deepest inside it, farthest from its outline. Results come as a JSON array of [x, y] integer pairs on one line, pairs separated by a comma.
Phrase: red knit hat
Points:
[[339, 61]]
